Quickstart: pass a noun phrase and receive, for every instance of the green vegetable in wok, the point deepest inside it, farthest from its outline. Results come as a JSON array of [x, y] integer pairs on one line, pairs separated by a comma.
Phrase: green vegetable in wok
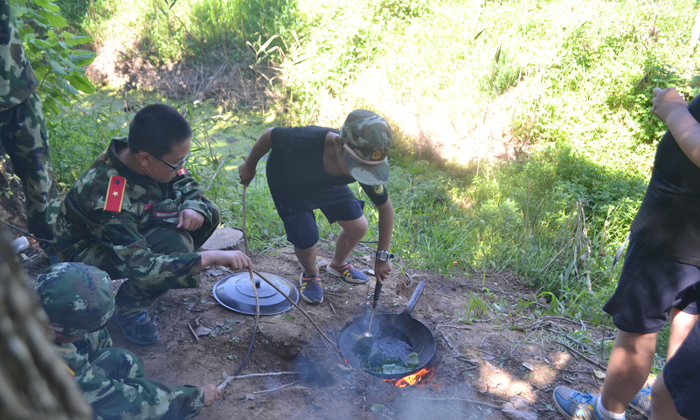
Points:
[[412, 360]]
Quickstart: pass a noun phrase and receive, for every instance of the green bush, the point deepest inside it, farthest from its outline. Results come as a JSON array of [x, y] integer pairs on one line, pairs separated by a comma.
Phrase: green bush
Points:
[[580, 73], [78, 136], [201, 31], [399, 11], [74, 10], [53, 53]]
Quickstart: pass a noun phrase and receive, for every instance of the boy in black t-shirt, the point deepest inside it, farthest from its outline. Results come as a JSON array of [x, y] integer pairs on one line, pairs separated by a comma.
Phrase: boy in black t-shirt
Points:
[[309, 168], [657, 284]]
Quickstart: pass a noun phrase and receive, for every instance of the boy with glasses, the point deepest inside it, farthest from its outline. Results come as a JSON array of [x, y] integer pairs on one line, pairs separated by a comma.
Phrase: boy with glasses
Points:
[[137, 214]]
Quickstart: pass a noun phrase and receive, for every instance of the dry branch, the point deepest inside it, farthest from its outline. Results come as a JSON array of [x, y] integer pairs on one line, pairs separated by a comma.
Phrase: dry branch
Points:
[[228, 379], [581, 355], [456, 327], [279, 387], [485, 404], [192, 331]]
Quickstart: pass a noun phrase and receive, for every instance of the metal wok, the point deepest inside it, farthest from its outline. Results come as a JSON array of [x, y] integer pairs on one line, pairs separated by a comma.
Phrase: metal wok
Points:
[[406, 333]]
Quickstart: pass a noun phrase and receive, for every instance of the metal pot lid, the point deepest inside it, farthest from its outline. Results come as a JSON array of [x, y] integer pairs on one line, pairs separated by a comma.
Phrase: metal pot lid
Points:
[[236, 293]]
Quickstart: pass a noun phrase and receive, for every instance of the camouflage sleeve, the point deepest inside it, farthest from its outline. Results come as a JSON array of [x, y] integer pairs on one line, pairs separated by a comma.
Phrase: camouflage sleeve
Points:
[[141, 398], [99, 340], [115, 387], [134, 257], [17, 79], [192, 196]]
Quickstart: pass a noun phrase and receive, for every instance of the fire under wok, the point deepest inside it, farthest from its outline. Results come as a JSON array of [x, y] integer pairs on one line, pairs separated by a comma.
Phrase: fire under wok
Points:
[[402, 345]]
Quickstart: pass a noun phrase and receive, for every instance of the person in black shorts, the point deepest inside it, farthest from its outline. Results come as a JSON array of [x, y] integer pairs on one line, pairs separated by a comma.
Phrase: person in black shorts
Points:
[[660, 271], [676, 393], [310, 168]]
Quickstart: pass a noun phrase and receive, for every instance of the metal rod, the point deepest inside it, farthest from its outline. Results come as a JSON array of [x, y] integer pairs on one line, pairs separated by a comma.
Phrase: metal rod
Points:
[[228, 379], [298, 307], [255, 289]]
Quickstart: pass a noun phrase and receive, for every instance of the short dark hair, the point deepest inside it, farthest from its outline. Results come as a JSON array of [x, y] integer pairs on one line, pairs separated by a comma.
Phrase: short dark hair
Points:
[[156, 128]]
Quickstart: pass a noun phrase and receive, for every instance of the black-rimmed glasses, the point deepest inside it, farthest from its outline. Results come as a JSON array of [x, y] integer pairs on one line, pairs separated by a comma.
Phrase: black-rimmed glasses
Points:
[[174, 168]]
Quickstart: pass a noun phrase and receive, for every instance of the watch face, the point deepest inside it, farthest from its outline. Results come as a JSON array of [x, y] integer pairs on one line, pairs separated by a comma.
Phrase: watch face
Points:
[[382, 255]]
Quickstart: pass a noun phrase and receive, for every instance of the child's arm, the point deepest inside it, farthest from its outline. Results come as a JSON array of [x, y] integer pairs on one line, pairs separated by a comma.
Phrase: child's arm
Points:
[[195, 209], [246, 170], [385, 210], [382, 269], [672, 109], [233, 260], [113, 384]]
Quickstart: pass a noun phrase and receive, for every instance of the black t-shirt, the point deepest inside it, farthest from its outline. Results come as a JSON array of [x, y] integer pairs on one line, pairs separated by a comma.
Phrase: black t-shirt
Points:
[[297, 179], [668, 220]]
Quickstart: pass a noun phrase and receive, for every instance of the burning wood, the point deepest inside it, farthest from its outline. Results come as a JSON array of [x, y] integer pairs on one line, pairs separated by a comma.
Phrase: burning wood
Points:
[[411, 380]]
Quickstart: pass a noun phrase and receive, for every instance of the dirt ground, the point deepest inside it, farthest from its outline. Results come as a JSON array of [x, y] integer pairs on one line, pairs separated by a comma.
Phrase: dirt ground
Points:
[[490, 346], [482, 360]]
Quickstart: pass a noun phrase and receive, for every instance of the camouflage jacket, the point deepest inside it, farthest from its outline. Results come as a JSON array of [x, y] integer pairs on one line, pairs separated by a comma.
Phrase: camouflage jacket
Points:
[[83, 220], [112, 382], [17, 79]]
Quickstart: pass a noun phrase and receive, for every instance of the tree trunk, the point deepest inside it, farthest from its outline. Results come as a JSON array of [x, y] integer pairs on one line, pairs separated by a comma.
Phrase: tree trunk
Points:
[[34, 382]]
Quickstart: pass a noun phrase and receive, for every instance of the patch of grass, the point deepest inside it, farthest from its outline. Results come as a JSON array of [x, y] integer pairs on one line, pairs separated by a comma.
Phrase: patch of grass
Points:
[[579, 75], [169, 31], [78, 136]]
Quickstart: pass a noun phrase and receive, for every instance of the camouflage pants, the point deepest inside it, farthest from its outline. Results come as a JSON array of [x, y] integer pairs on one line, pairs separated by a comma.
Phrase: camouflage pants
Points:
[[137, 294], [25, 139], [134, 397]]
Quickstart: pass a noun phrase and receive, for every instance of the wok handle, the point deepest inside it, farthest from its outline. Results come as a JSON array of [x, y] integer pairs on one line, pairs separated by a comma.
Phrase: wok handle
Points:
[[377, 290], [414, 298]]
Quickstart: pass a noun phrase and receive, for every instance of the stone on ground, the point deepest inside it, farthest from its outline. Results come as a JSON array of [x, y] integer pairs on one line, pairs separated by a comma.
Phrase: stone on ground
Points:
[[223, 239]]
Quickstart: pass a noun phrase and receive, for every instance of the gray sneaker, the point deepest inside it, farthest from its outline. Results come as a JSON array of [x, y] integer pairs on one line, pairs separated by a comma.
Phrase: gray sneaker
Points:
[[311, 289], [642, 401], [575, 405]]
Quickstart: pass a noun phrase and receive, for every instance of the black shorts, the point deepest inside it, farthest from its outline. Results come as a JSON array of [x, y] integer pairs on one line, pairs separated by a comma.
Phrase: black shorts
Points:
[[682, 376], [649, 288], [301, 227]]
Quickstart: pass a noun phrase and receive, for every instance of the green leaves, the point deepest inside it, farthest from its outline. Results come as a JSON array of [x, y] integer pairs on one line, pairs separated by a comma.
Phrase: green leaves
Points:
[[53, 19], [412, 360], [47, 5], [77, 40], [52, 53]]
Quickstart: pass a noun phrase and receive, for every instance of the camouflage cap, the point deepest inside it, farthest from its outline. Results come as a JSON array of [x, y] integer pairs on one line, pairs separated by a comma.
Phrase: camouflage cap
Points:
[[366, 139], [77, 298]]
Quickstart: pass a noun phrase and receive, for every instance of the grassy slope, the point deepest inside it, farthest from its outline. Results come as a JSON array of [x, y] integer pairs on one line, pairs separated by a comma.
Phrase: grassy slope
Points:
[[579, 73], [582, 73]]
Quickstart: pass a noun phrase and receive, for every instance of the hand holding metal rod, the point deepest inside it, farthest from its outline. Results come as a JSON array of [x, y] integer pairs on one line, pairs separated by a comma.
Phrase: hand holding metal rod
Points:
[[255, 289]]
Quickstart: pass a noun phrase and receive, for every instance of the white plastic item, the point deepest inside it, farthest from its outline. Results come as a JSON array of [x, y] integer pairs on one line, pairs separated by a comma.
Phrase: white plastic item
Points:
[[19, 244]]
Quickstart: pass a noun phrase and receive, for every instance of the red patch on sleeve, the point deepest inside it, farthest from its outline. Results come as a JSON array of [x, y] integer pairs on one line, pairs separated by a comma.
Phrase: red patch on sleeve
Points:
[[115, 194]]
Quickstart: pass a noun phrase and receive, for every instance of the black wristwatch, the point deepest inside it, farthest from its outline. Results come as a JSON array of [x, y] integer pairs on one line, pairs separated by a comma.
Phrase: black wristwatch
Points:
[[383, 255]]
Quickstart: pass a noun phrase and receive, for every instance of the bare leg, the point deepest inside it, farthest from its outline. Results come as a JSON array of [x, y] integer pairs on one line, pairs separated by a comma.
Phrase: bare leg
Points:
[[350, 235], [681, 324], [663, 407], [307, 258], [628, 368]]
